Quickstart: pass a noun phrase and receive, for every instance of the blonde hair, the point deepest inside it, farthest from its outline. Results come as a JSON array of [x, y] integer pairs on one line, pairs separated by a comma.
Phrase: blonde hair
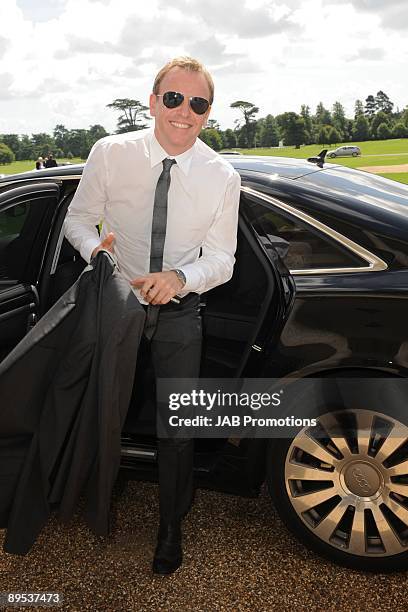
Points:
[[186, 63]]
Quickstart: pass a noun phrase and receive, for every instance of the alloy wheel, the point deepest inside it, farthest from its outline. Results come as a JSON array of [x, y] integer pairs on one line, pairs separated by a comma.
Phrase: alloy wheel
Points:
[[347, 480]]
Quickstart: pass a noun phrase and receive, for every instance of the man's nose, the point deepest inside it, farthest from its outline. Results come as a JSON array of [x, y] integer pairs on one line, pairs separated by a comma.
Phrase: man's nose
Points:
[[185, 107]]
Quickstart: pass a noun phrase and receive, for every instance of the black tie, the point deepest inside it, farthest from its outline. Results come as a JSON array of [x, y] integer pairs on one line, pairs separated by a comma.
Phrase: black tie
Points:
[[160, 217], [159, 224]]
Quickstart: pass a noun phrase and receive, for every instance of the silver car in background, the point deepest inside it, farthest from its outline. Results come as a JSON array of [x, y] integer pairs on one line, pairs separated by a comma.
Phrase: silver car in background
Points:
[[345, 151]]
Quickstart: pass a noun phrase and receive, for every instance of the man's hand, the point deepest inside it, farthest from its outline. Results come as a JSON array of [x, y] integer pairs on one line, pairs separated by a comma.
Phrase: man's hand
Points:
[[105, 245], [158, 287]]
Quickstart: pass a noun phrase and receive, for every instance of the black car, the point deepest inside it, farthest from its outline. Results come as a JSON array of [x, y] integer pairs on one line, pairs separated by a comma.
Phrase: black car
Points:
[[320, 289]]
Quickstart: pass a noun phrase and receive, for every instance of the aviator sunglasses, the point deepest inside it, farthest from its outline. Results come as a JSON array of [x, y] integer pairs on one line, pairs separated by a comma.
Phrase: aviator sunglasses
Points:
[[173, 99]]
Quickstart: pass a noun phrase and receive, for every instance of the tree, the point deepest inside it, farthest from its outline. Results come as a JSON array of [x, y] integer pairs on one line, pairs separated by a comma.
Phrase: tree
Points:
[[360, 129], [383, 103], [247, 130], [230, 139], [6, 154], [12, 141], [339, 120], [399, 130], [78, 143], [370, 106], [213, 124], [333, 135], [212, 138], [133, 113], [376, 121], [322, 135], [358, 108], [27, 149], [95, 133], [61, 137], [307, 118], [292, 127], [322, 116], [383, 131], [268, 133], [43, 144]]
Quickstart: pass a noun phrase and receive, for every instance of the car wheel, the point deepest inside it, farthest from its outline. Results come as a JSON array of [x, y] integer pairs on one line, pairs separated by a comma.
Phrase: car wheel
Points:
[[354, 154], [331, 155], [342, 488]]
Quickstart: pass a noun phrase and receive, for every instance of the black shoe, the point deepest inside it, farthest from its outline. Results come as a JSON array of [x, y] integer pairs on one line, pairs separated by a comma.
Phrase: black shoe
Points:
[[168, 555]]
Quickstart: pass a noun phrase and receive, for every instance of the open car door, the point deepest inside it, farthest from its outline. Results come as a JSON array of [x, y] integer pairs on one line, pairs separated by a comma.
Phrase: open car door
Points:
[[26, 214]]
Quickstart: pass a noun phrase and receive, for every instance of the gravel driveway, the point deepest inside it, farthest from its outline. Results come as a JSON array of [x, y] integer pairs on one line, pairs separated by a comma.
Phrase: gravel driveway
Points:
[[238, 557]]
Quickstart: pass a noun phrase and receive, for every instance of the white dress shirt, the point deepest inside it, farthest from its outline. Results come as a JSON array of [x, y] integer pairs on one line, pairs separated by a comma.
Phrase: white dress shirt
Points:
[[117, 188]]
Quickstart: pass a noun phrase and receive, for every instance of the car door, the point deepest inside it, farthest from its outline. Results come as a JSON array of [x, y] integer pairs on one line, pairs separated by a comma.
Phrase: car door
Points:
[[241, 316], [26, 214]]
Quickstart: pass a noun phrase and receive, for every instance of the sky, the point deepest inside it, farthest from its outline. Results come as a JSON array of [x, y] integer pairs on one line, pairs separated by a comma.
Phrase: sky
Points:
[[63, 61]]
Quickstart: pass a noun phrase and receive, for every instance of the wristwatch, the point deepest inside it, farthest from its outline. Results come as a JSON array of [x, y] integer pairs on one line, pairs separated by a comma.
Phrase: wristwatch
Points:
[[181, 276]]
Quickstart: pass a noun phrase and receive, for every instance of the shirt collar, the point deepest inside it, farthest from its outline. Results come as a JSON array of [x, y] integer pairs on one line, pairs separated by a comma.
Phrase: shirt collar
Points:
[[157, 154]]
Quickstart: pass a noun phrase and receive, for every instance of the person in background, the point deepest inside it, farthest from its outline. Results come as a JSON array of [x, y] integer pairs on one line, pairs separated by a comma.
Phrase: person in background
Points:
[[169, 206], [39, 164], [51, 162]]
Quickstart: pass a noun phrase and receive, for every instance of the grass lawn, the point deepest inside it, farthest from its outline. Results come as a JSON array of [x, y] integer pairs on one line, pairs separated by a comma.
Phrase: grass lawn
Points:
[[395, 146], [401, 177], [374, 153], [24, 166]]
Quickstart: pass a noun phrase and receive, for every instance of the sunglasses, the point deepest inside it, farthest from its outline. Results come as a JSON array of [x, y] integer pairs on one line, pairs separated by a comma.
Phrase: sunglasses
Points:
[[173, 99]]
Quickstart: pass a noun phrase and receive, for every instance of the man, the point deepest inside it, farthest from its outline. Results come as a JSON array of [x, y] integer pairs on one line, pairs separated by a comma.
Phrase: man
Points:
[[51, 162], [169, 206]]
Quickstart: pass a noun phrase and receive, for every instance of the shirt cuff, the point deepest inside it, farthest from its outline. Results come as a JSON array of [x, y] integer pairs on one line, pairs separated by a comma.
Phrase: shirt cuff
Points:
[[87, 247], [193, 278]]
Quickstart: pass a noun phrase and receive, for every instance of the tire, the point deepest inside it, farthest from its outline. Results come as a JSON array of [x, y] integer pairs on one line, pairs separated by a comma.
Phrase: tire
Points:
[[332, 155], [346, 495], [354, 154]]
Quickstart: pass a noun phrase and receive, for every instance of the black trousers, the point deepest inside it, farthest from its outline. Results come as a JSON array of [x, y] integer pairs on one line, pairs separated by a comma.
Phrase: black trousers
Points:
[[175, 336]]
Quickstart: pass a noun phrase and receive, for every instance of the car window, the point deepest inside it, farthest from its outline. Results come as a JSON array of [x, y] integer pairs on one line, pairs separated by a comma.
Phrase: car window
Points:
[[23, 232], [305, 247]]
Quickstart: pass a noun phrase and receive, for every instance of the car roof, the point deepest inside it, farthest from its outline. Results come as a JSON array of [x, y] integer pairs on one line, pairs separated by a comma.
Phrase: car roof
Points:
[[341, 182]]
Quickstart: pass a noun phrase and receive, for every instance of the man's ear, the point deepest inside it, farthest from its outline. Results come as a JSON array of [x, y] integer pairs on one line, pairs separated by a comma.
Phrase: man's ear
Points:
[[152, 104]]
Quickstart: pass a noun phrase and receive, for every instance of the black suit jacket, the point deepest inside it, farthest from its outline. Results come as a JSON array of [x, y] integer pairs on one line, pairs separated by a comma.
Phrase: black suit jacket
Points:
[[64, 392]]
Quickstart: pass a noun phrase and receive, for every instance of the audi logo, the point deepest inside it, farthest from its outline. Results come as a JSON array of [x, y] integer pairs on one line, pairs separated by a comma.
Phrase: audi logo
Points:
[[361, 479]]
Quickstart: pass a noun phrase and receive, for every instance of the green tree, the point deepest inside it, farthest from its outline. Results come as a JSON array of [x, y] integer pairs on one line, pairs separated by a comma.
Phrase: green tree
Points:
[[6, 154], [292, 128], [43, 144], [268, 133], [212, 138], [61, 137], [132, 116], [78, 143], [383, 131], [339, 120], [12, 141], [322, 135], [376, 121], [361, 128], [307, 118], [370, 107], [95, 133], [322, 116], [248, 128], [358, 108], [230, 139], [383, 103], [333, 135], [213, 124], [27, 148], [399, 130]]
